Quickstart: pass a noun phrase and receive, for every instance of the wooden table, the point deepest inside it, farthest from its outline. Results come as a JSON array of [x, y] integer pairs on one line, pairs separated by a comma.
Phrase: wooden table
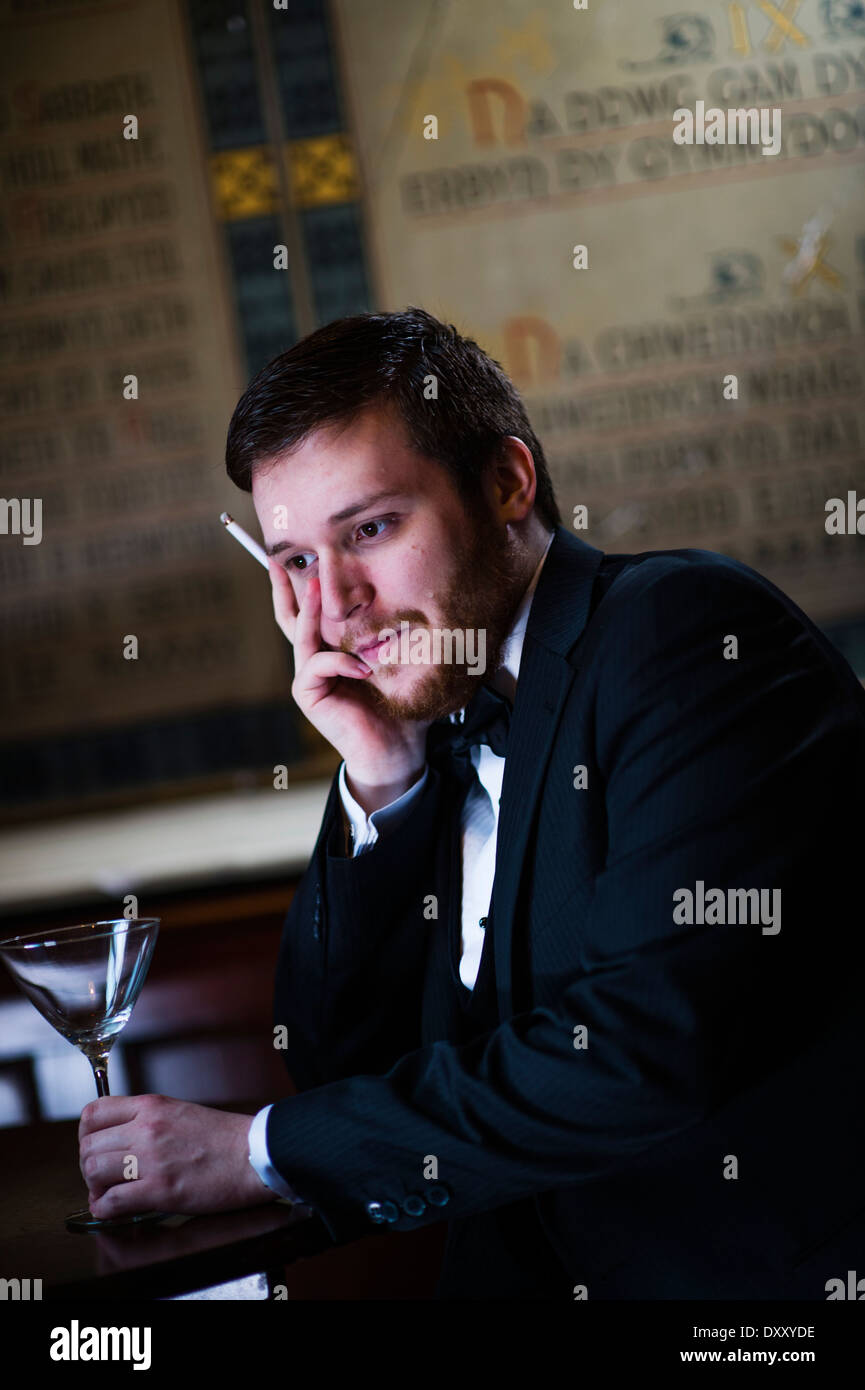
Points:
[[40, 1184]]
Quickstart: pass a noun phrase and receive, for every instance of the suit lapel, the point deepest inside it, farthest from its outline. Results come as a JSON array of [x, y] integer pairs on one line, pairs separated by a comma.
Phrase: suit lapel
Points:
[[557, 617]]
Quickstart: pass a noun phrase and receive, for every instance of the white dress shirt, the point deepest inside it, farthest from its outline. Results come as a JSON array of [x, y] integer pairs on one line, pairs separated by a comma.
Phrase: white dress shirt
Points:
[[479, 829]]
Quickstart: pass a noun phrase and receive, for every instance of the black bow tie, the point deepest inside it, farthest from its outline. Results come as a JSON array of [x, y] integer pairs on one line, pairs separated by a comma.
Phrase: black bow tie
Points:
[[487, 720]]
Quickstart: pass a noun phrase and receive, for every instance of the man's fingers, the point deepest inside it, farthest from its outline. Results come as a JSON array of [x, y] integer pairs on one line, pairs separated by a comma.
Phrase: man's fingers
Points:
[[314, 668], [102, 1141], [323, 667], [307, 631], [106, 1112], [101, 1171], [284, 602]]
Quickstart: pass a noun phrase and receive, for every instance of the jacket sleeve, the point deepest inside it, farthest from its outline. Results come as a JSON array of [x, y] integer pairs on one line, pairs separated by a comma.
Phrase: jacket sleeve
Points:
[[350, 971], [729, 771]]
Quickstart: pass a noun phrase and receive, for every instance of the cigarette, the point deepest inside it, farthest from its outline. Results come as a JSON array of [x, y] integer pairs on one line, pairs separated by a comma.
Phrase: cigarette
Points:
[[245, 539]]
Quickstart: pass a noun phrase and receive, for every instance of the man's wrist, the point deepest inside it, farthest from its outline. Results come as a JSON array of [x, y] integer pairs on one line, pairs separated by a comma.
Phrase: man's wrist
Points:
[[372, 791], [259, 1159], [255, 1183]]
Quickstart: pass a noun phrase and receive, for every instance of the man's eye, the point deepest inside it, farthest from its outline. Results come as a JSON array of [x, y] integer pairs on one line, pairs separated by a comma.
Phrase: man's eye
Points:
[[302, 562], [380, 521]]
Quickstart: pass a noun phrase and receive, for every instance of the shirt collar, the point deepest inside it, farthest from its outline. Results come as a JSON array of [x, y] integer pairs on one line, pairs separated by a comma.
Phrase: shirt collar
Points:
[[505, 678]]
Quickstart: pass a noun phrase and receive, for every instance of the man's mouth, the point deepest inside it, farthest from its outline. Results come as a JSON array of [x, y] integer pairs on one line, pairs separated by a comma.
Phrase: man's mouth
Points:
[[369, 653]]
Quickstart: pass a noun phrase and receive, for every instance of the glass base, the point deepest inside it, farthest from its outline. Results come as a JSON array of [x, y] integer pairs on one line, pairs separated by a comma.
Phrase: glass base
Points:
[[86, 1221]]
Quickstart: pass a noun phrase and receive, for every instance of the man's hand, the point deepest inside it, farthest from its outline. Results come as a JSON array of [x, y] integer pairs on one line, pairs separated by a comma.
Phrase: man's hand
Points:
[[188, 1158], [383, 757]]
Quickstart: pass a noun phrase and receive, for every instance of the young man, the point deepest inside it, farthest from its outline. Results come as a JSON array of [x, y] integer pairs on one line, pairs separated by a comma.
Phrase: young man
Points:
[[577, 970]]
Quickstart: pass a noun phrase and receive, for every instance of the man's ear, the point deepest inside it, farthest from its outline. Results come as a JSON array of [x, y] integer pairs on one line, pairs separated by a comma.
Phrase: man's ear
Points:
[[513, 479]]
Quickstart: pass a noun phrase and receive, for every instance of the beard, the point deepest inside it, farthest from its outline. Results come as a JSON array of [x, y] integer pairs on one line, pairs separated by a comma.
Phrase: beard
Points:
[[482, 595]]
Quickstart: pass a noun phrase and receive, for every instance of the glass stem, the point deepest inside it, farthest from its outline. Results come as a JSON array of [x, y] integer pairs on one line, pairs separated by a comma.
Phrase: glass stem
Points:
[[100, 1073]]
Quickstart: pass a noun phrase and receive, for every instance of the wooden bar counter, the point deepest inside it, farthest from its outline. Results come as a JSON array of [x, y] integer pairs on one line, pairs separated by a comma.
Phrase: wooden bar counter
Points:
[[42, 1184]]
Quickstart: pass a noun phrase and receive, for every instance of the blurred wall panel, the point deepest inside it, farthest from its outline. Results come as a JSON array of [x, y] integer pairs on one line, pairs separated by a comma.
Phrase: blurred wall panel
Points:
[[138, 641], [496, 138]]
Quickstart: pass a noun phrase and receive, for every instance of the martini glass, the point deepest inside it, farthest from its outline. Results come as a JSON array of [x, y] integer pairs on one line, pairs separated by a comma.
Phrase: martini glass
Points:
[[85, 980]]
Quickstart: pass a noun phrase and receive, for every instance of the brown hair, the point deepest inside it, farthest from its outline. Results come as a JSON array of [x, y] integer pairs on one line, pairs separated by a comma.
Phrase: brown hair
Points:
[[332, 374]]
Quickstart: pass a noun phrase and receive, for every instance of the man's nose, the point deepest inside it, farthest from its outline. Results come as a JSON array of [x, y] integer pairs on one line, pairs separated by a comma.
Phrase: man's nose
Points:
[[342, 590]]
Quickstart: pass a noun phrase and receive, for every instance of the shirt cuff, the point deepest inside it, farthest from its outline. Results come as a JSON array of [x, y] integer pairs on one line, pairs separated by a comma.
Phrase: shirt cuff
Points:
[[364, 830], [260, 1158]]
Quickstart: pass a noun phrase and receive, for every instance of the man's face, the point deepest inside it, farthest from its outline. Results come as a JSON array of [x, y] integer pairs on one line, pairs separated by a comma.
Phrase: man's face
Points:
[[390, 541]]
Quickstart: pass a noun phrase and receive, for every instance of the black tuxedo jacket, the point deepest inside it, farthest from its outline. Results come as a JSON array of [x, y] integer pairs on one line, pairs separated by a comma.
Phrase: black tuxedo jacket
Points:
[[708, 1139]]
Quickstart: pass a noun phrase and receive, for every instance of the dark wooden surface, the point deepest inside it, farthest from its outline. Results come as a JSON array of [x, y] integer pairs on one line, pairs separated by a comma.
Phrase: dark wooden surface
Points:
[[41, 1184], [201, 1031]]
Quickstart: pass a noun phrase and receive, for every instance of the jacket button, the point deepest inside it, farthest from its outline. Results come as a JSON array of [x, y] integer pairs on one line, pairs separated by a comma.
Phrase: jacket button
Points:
[[382, 1211], [437, 1195], [413, 1205]]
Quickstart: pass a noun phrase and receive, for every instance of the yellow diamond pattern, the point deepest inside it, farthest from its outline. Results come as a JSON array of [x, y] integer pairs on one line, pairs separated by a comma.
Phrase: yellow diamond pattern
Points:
[[323, 170], [244, 182]]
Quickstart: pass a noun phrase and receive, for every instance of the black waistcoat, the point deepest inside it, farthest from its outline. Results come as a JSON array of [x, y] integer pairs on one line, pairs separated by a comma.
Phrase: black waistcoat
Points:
[[502, 1252]]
